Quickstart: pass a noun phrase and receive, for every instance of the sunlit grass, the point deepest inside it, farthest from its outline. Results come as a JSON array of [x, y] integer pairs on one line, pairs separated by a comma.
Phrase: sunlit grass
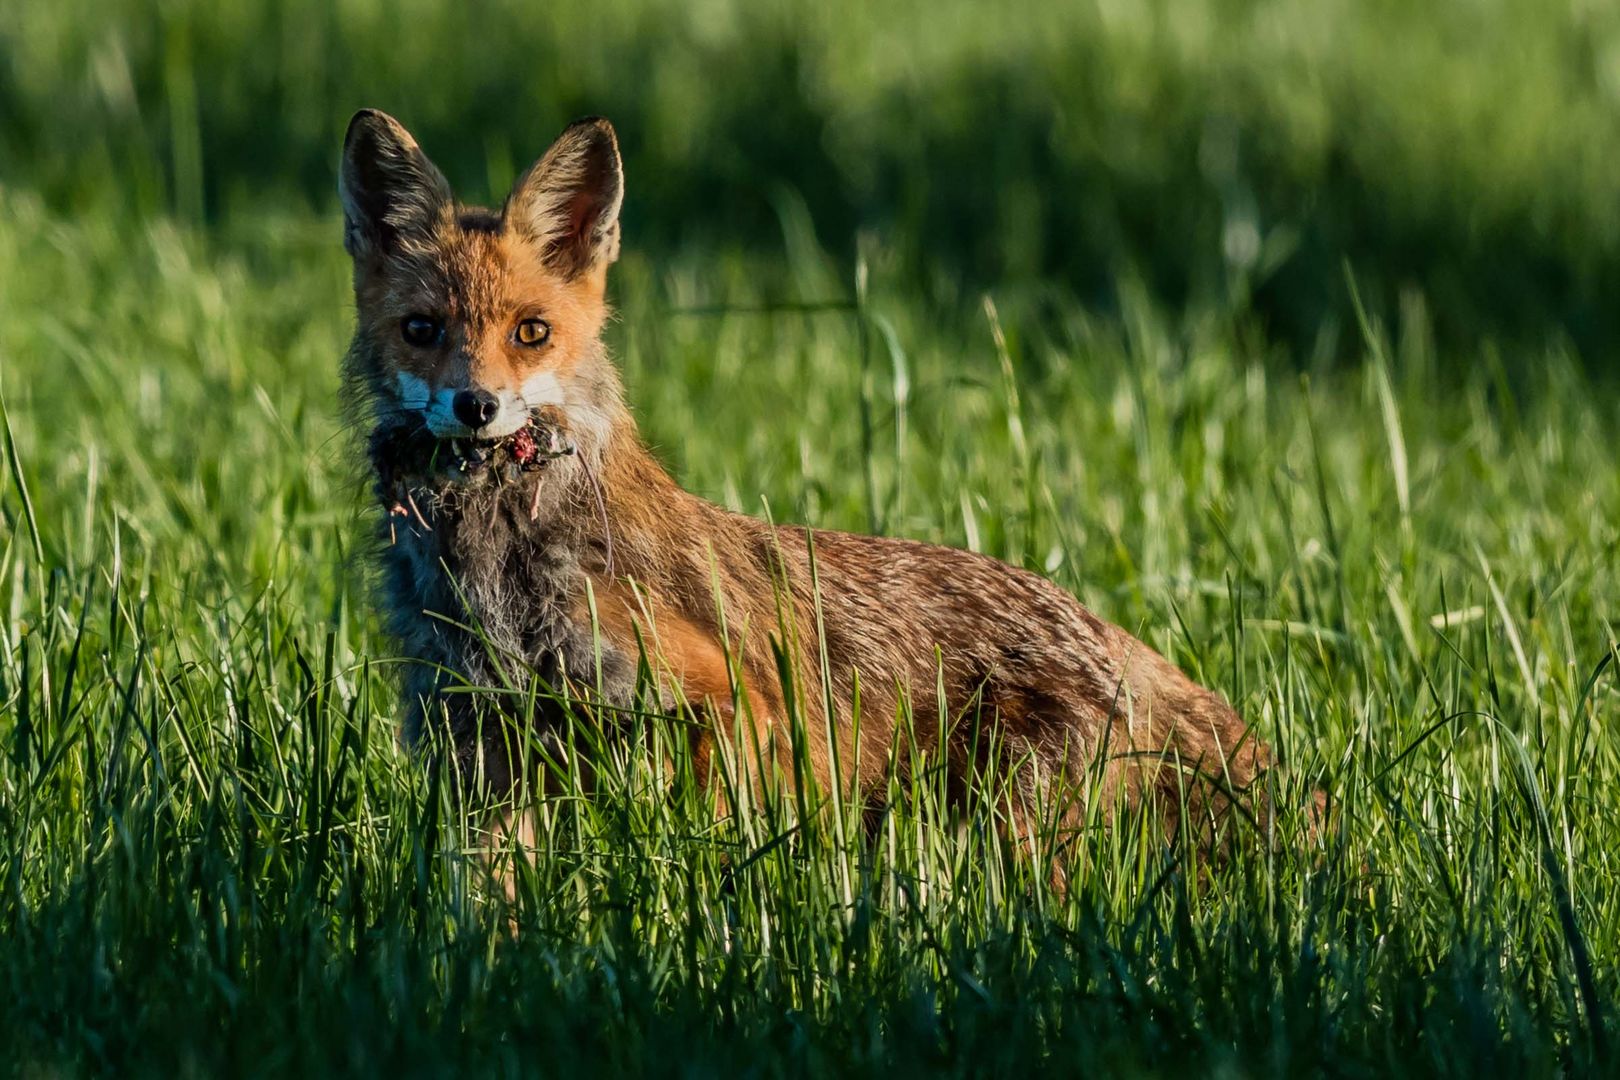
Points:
[[215, 856]]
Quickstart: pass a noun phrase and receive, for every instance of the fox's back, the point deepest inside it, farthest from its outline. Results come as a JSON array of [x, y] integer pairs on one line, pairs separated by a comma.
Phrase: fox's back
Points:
[[955, 641]]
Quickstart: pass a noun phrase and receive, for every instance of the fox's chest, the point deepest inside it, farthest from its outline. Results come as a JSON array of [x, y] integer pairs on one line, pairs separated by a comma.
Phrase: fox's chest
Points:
[[468, 584]]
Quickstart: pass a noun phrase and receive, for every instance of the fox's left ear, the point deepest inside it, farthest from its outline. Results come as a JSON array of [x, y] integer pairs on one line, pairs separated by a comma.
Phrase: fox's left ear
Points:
[[567, 205]]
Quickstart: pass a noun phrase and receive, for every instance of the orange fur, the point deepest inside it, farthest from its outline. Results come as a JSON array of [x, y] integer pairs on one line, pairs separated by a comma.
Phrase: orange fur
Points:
[[1029, 689]]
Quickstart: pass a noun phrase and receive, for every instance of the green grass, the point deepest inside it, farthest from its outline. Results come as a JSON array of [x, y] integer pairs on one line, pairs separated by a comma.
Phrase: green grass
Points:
[[1226, 150], [1396, 556]]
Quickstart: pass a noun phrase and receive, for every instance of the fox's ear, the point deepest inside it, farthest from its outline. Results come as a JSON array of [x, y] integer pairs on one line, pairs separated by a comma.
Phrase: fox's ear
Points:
[[567, 205], [390, 190]]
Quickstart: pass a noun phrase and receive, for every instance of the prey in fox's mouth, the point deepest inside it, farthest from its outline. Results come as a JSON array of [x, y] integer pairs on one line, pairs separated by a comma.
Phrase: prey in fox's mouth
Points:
[[410, 456], [411, 452]]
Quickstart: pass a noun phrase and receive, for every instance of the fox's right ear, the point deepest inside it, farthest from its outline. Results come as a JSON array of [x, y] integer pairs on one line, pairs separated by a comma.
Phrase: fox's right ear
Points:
[[389, 188]]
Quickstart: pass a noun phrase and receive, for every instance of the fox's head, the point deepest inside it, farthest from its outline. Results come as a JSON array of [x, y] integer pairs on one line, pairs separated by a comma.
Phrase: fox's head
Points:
[[473, 318]]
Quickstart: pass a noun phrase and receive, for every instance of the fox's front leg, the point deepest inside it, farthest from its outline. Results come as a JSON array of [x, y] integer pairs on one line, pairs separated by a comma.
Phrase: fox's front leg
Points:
[[468, 736], [694, 673]]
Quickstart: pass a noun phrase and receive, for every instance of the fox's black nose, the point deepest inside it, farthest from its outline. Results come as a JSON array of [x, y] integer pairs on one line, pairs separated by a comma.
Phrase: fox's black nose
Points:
[[475, 408]]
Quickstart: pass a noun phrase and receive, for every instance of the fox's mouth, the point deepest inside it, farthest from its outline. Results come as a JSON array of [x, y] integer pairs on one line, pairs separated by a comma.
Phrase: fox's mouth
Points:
[[412, 452], [527, 449]]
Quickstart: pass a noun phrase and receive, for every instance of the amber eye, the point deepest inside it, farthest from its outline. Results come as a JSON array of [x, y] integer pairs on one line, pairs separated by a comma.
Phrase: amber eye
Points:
[[532, 332], [421, 330]]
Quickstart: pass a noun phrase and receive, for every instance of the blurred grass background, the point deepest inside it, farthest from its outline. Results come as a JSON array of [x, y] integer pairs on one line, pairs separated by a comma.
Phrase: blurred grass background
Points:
[[1390, 537], [1226, 152]]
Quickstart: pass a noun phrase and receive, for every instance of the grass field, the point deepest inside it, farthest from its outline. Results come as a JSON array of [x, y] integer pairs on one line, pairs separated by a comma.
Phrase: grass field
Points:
[[1079, 290]]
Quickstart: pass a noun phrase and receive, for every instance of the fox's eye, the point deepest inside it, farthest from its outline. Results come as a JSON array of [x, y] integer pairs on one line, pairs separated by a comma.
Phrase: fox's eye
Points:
[[421, 330], [532, 332]]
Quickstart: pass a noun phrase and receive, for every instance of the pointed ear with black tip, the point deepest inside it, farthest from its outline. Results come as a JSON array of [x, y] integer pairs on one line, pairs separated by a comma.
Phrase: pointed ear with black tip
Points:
[[391, 192], [567, 205]]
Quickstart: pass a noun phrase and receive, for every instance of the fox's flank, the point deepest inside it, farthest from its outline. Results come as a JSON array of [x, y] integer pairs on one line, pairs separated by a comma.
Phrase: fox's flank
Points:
[[541, 538]]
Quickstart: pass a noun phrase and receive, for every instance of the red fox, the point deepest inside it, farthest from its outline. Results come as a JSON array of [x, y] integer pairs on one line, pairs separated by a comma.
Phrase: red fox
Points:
[[520, 500]]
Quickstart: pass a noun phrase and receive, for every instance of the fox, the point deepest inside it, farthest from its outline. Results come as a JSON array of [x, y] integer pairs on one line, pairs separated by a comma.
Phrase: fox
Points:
[[525, 525]]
